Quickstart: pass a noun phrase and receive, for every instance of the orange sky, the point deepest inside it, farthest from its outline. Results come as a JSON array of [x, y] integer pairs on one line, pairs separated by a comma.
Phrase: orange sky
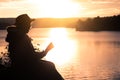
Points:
[[59, 8]]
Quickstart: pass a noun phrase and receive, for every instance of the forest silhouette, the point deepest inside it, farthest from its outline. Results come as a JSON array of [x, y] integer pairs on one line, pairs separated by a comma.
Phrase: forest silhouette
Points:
[[111, 23]]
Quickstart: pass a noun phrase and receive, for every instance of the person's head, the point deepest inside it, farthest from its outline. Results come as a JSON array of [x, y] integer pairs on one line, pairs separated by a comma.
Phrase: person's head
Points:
[[23, 23]]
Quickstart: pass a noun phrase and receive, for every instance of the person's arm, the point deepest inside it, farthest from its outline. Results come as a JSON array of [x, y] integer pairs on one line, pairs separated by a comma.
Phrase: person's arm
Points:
[[40, 54], [43, 53]]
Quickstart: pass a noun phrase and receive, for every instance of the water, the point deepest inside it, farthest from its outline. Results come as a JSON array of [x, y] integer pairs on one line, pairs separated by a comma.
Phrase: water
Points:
[[79, 55]]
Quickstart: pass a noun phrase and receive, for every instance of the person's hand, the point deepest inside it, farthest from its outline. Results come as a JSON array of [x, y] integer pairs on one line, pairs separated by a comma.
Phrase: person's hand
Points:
[[40, 54]]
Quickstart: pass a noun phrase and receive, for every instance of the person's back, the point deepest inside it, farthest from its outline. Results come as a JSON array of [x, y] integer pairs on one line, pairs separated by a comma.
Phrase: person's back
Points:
[[21, 52], [19, 42]]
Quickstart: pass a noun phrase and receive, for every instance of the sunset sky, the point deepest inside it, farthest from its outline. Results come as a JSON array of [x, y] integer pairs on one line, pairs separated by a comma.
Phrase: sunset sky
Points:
[[59, 8]]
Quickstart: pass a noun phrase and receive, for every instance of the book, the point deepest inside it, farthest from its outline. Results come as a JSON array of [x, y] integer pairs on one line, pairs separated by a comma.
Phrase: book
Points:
[[49, 47], [44, 53]]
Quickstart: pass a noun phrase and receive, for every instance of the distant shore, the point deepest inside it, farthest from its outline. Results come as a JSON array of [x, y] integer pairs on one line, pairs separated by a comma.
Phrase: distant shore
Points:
[[109, 23], [43, 22]]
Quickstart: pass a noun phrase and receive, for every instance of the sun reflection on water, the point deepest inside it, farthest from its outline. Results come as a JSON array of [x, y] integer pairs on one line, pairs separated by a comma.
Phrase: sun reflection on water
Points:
[[64, 49]]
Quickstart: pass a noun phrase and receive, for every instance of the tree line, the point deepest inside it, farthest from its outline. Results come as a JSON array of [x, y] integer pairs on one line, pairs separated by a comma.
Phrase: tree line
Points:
[[43, 22], [4, 22], [110, 23]]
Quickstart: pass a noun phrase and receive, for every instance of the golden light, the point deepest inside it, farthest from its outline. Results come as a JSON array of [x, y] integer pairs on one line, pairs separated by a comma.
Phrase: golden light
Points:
[[56, 8], [64, 49]]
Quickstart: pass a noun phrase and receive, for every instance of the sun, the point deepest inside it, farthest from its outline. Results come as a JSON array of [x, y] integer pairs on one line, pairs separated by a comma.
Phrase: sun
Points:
[[64, 49], [56, 8], [62, 8]]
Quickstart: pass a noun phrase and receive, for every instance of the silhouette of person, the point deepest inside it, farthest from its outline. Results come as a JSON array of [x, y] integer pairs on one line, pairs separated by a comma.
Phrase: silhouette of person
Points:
[[25, 62]]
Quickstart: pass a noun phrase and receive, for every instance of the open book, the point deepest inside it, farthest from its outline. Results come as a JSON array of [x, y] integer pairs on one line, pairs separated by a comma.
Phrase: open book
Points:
[[43, 53], [49, 47]]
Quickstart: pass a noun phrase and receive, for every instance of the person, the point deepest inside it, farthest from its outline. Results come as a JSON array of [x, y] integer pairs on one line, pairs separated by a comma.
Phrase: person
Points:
[[25, 62]]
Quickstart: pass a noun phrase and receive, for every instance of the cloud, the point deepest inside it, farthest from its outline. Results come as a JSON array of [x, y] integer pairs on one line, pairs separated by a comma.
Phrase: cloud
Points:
[[104, 1], [9, 0], [99, 7], [4, 0], [15, 7], [10, 4], [105, 5], [89, 7], [97, 1], [102, 12]]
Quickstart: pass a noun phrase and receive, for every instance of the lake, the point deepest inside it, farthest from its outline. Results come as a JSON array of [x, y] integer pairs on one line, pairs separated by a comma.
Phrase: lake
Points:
[[78, 55]]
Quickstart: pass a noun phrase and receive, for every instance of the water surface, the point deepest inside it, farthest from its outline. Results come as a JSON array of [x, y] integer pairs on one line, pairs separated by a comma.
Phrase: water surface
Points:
[[79, 55]]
